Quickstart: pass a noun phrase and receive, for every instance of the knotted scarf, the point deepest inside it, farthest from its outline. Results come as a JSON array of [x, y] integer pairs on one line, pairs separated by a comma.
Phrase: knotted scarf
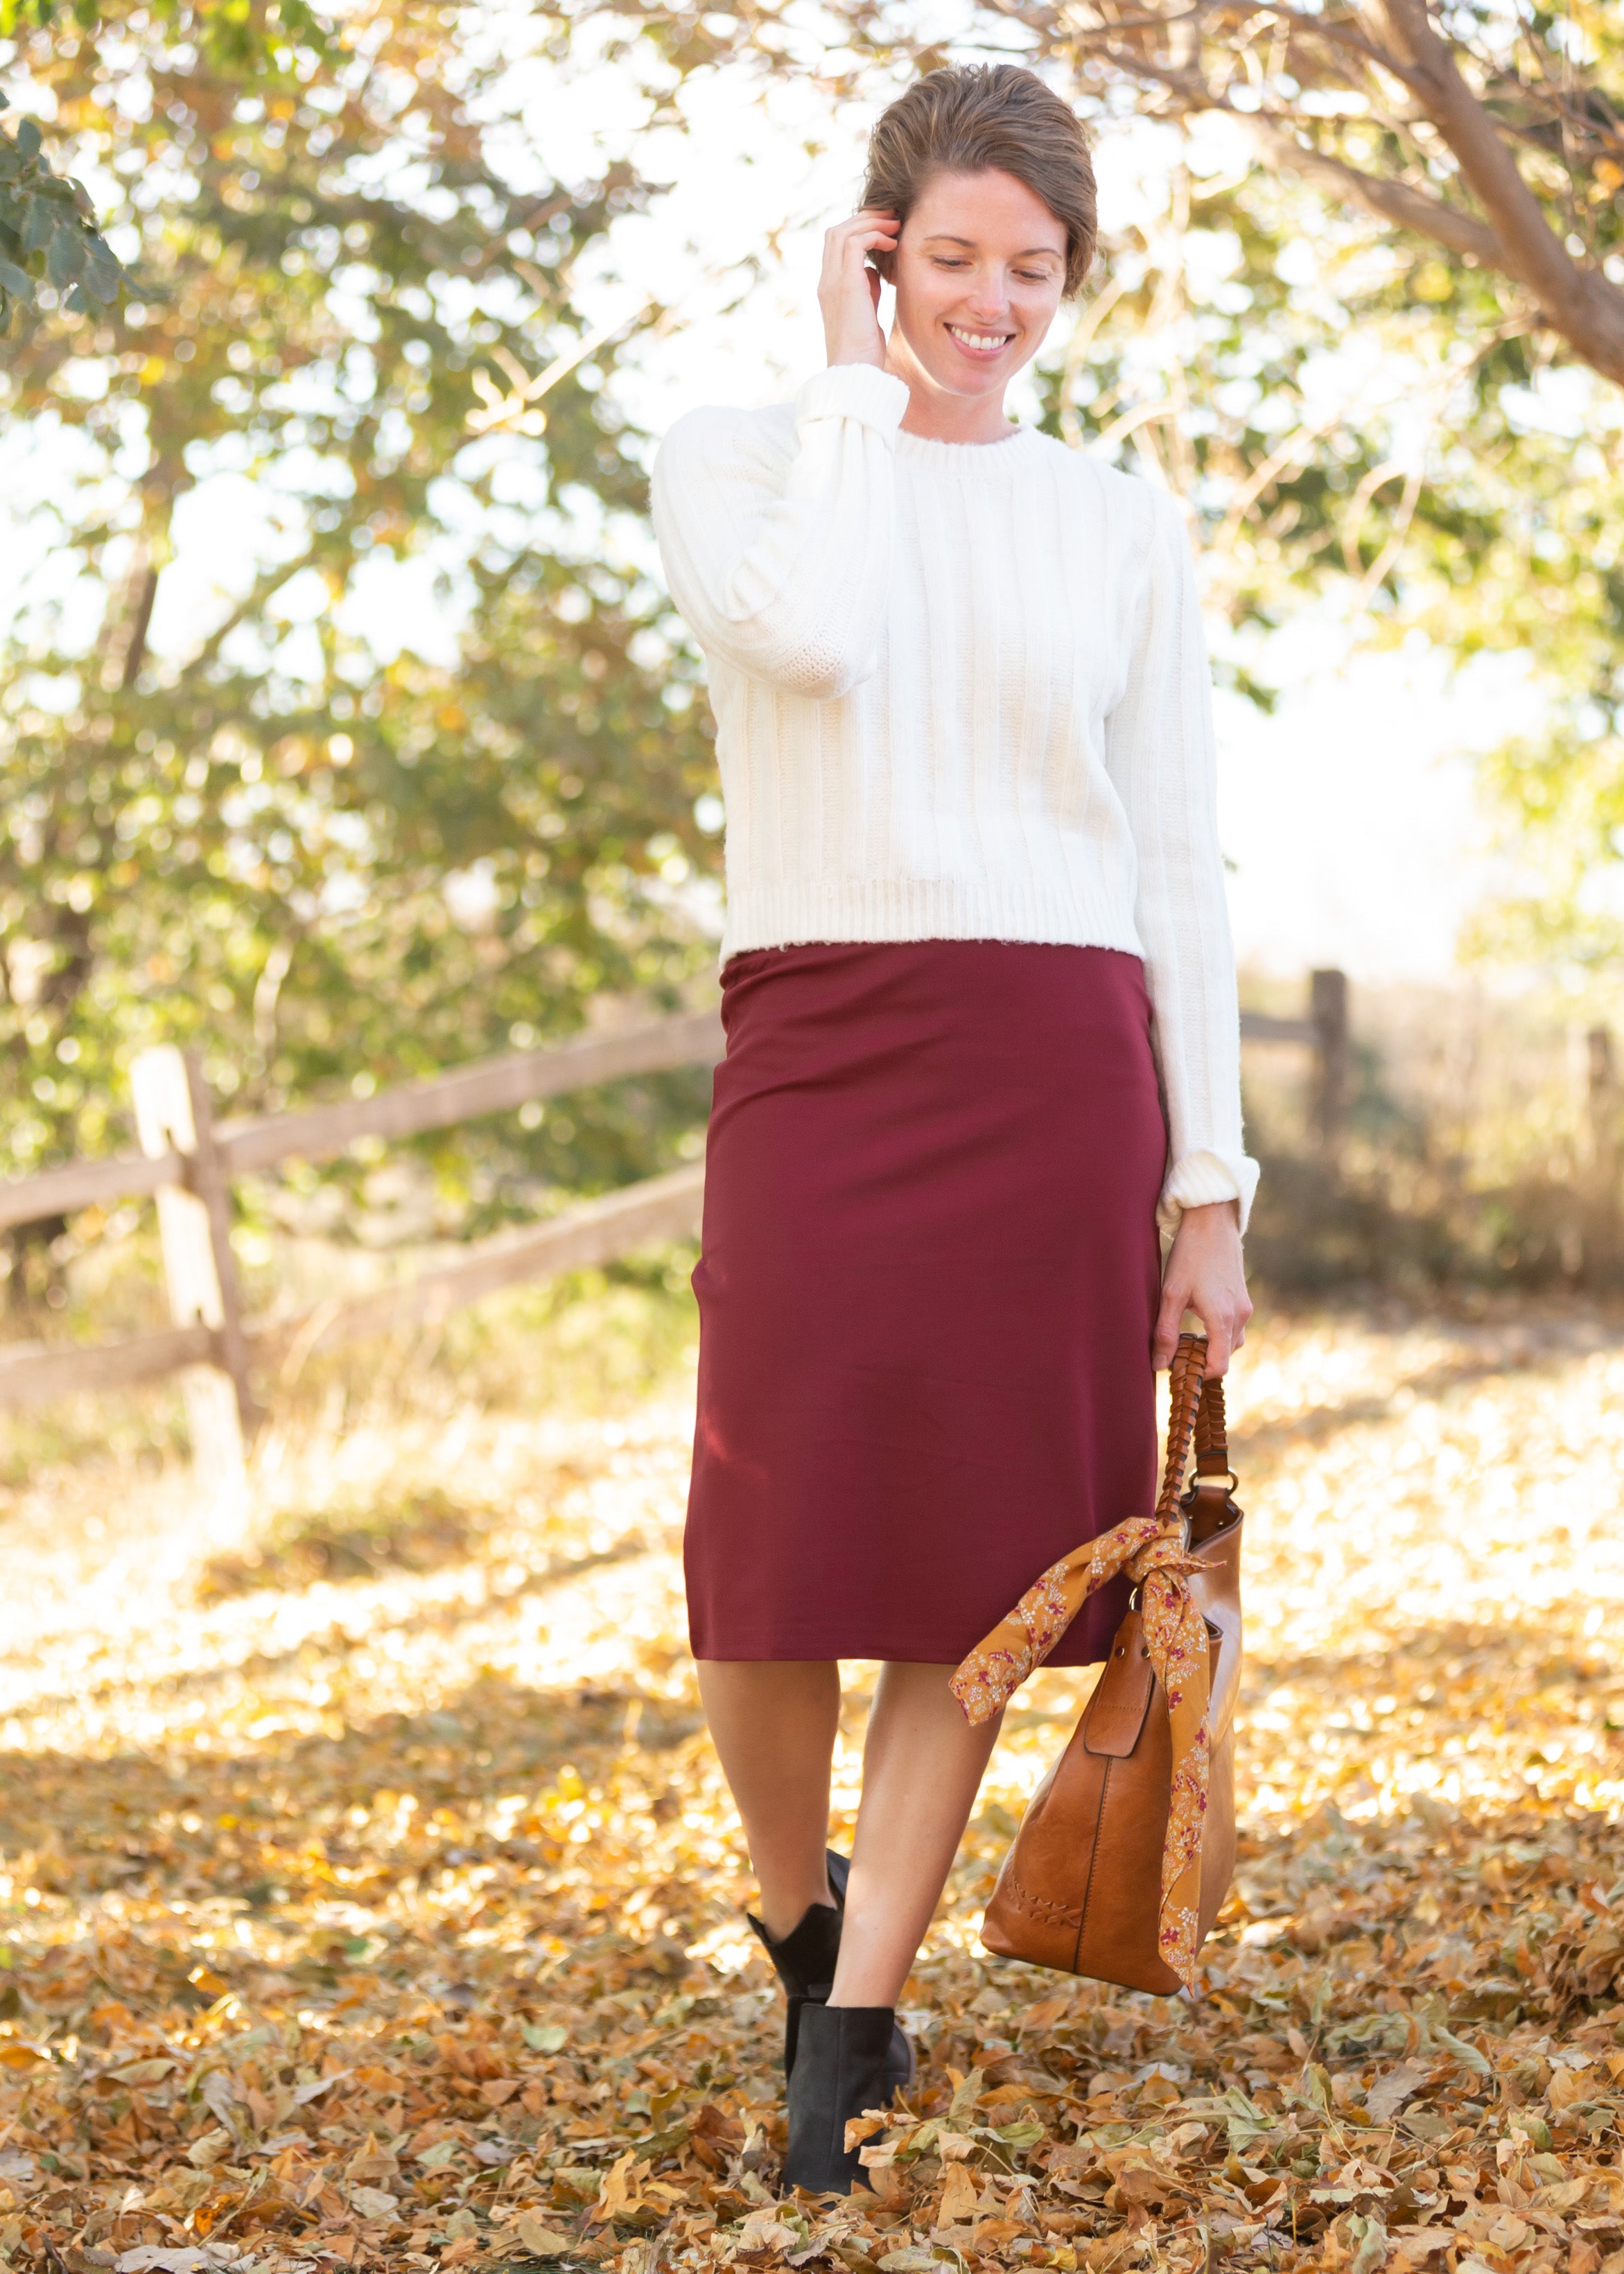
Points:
[[1153, 1554]]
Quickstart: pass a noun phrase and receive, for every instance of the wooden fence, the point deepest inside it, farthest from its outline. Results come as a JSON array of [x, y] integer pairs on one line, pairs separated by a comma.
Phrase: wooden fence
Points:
[[187, 1161]]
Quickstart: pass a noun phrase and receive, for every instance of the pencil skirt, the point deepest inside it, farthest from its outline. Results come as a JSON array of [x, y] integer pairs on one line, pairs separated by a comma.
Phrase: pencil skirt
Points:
[[927, 1285]]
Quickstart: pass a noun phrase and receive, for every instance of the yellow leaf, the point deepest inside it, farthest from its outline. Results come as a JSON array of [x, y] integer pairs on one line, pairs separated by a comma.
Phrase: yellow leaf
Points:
[[621, 2194], [541, 2240], [958, 2195]]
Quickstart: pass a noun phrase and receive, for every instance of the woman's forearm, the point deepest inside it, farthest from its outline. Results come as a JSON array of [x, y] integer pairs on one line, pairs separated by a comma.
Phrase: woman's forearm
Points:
[[782, 568]]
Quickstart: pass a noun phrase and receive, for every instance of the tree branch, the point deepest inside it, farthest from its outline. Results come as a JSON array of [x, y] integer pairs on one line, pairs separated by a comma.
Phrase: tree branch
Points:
[[140, 623], [1578, 302], [263, 588], [1393, 201]]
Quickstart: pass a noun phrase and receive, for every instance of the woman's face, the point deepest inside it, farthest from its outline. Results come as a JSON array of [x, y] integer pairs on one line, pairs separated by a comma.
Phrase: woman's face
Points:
[[979, 269]]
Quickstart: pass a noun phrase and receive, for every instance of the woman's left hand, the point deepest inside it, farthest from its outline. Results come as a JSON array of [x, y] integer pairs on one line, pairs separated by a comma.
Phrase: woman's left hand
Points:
[[1205, 1274]]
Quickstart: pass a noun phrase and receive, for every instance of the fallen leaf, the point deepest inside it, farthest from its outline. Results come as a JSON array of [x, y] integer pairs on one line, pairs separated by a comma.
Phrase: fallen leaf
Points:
[[373, 2202], [1369, 2238], [498, 1901], [141, 2072], [541, 2241], [958, 2195], [620, 2194], [1391, 2089]]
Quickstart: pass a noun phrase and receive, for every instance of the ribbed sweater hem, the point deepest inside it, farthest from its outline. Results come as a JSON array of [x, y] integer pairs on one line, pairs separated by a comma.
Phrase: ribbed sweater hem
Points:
[[886, 908]]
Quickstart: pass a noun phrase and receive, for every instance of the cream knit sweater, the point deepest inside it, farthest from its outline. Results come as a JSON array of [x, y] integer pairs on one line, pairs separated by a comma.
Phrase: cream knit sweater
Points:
[[961, 692]]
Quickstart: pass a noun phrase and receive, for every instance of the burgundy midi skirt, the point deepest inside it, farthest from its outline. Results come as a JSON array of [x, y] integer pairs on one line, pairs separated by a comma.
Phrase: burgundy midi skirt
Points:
[[927, 1286]]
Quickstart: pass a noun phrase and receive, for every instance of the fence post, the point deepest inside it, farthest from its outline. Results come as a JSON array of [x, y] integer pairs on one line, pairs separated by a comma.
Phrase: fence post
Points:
[[1602, 1135], [1327, 1014], [1602, 1100], [173, 1114]]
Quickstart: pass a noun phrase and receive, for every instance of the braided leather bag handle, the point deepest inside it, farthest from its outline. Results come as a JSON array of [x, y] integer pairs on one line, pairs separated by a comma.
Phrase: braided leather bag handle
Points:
[[1190, 1410], [1212, 1433]]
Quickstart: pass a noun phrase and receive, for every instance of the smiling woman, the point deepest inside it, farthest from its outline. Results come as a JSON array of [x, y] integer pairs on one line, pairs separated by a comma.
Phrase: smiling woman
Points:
[[980, 267], [998, 213], [981, 1035]]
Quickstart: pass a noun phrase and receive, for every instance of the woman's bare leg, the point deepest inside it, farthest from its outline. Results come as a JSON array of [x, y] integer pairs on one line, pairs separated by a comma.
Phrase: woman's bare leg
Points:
[[922, 1765], [774, 1722]]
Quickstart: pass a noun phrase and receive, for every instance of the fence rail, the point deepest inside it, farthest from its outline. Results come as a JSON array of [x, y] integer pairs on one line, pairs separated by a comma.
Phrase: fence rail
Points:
[[188, 1161], [490, 1086]]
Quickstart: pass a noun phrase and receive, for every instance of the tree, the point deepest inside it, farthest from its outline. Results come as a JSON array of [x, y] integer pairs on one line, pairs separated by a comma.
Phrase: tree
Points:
[[1494, 136], [261, 821]]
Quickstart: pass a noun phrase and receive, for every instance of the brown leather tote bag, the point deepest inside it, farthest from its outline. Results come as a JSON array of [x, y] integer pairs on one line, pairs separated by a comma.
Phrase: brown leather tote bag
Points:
[[1085, 1885]]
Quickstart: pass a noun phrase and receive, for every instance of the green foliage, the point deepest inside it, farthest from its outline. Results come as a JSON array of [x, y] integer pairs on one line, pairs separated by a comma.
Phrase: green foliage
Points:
[[256, 822], [47, 231], [238, 36]]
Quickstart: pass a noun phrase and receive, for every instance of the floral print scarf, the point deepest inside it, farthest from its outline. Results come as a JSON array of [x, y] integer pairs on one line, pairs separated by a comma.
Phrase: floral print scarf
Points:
[[1151, 1551]]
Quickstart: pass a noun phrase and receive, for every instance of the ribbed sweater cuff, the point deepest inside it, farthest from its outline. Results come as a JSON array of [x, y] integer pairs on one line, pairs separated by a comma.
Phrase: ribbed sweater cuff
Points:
[[862, 391], [1199, 1178]]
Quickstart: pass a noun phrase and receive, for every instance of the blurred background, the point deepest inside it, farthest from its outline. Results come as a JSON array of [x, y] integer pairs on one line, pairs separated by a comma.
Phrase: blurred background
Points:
[[348, 735]]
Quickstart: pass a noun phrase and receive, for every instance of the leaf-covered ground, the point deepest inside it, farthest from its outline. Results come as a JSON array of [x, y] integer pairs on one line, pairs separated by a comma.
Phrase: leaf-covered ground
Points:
[[370, 1894]]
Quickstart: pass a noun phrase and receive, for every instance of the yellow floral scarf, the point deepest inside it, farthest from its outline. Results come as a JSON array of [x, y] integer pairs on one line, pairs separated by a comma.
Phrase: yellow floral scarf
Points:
[[1152, 1553]]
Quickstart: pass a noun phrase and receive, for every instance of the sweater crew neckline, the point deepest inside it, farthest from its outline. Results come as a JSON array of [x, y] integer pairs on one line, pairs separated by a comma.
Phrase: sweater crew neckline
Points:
[[971, 461]]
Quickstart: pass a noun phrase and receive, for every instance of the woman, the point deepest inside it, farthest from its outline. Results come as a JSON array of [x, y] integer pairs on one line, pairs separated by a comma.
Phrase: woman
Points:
[[981, 1036]]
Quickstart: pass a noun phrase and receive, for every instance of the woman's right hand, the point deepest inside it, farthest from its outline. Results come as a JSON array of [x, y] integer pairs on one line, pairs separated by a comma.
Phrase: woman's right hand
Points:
[[848, 291]]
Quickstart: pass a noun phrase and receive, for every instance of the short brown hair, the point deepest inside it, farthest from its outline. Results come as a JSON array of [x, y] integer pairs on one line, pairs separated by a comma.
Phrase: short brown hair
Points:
[[972, 118]]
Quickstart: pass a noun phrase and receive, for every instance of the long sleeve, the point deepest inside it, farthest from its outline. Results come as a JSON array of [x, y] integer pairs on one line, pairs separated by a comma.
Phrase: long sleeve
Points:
[[782, 566], [1161, 757]]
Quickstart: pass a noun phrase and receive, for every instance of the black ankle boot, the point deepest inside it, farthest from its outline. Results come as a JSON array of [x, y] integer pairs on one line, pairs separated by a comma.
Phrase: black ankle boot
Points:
[[841, 2069], [804, 1962]]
